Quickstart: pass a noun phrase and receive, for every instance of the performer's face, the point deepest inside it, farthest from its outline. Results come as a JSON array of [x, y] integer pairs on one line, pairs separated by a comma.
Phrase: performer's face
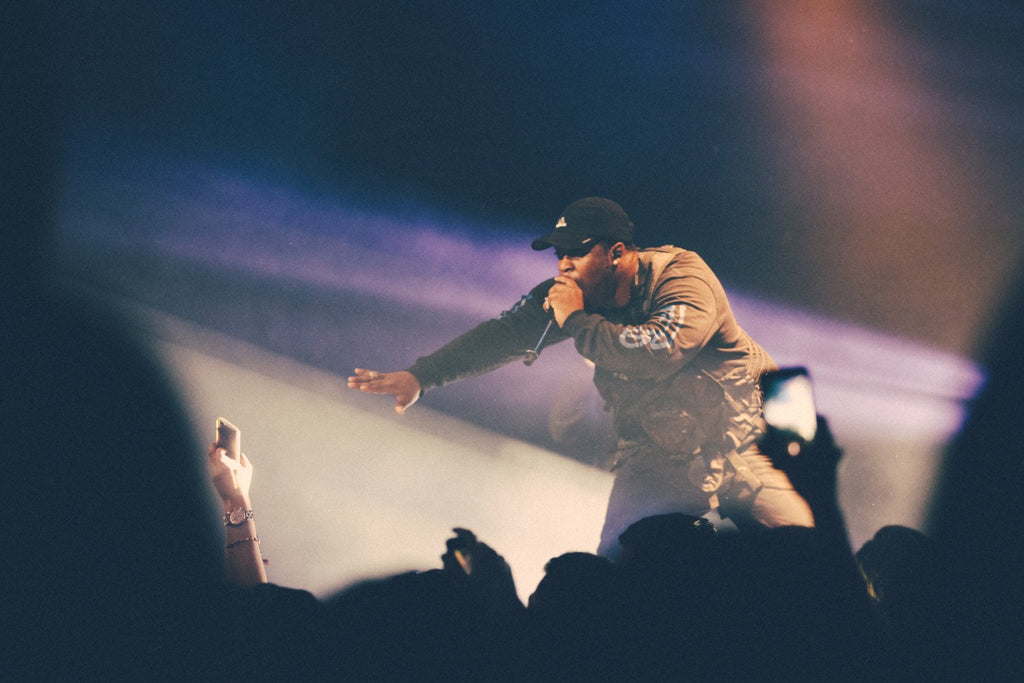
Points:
[[593, 272]]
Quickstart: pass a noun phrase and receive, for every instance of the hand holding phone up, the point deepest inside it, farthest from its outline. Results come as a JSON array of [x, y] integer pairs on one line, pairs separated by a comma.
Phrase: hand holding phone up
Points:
[[230, 470], [798, 440]]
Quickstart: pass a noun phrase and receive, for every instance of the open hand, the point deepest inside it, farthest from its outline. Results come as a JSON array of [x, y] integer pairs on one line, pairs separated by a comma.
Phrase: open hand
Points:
[[403, 385]]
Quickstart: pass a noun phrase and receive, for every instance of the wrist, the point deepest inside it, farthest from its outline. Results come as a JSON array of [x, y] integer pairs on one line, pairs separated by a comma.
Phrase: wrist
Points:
[[236, 501], [238, 516], [569, 318]]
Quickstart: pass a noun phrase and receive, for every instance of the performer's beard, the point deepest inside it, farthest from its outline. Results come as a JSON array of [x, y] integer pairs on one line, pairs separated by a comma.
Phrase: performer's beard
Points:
[[601, 297]]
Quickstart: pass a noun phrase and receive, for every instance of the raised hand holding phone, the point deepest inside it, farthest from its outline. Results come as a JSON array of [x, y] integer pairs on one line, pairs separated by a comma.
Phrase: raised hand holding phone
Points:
[[231, 474], [789, 406], [230, 470], [798, 440]]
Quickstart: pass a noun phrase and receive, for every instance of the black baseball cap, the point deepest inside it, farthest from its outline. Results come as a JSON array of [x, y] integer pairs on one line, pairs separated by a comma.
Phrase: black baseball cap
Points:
[[585, 222]]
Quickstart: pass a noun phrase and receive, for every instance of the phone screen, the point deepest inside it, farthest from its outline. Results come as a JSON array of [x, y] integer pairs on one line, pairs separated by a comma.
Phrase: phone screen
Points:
[[789, 402]]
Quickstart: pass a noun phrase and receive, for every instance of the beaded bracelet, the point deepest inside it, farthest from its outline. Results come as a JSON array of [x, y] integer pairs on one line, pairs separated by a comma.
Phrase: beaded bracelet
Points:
[[247, 539]]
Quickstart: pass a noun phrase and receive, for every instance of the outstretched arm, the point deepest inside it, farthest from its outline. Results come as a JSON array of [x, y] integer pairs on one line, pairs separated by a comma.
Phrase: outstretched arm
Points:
[[243, 561], [484, 348]]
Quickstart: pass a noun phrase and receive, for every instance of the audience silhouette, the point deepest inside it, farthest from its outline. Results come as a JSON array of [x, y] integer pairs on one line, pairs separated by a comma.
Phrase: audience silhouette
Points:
[[976, 511]]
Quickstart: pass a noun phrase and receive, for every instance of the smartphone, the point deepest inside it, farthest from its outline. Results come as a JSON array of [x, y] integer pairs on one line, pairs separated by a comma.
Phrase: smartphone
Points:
[[229, 438], [789, 402]]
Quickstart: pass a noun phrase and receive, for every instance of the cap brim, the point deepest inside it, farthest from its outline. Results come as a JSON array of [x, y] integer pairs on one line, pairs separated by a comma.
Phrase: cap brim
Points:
[[560, 239]]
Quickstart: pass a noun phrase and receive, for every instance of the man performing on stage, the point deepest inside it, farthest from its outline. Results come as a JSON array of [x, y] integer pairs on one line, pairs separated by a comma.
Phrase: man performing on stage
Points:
[[678, 373]]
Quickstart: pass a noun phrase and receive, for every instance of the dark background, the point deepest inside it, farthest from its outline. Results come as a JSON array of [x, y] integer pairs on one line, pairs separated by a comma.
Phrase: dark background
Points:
[[861, 160]]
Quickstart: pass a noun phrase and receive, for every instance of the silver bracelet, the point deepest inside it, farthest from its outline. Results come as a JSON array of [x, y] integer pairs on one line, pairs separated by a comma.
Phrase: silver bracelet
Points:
[[247, 539]]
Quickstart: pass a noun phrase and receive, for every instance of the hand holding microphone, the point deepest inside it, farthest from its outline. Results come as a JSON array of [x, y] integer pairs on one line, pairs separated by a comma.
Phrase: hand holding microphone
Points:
[[564, 298]]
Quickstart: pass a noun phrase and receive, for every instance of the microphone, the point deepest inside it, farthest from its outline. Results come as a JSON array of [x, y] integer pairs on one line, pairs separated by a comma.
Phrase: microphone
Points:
[[531, 354]]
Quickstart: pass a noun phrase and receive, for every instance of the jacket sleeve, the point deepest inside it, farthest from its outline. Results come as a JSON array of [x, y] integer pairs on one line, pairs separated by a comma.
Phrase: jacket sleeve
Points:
[[490, 344], [684, 318]]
